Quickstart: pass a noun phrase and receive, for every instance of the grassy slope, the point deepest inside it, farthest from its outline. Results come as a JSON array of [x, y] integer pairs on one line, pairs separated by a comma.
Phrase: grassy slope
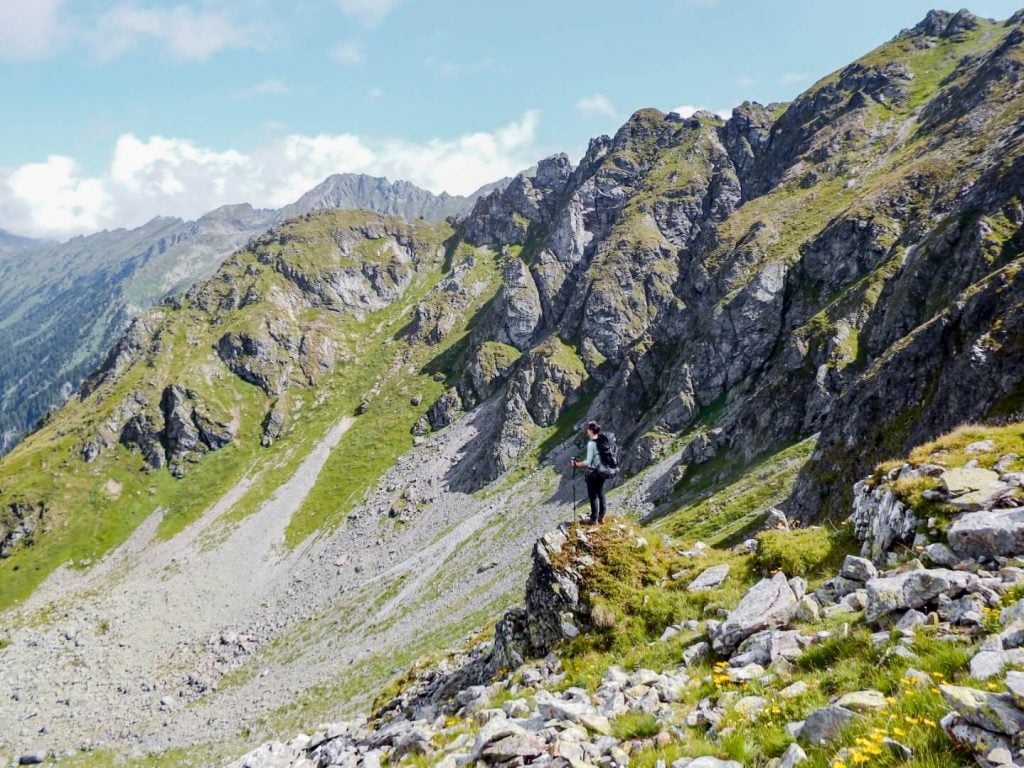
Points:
[[86, 522]]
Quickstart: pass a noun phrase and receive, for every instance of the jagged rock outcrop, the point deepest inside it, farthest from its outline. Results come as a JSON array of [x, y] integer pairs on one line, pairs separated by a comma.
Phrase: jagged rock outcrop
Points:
[[18, 525]]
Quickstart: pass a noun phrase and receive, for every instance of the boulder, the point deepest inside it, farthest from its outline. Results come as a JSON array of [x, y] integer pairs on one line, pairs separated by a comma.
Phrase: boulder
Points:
[[517, 745], [961, 480], [987, 534], [696, 653], [769, 603], [880, 520], [971, 737], [709, 578], [913, 589], [826, 724], [862, 701], [994, 712], [858, 569]]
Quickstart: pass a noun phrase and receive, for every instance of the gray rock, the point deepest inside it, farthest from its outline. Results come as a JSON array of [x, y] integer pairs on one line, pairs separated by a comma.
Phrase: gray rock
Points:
[[706, 761], [858, 569], [994, 712], [794, 755], [809, 609], [769, 603], [1000, 756], [880, 520], [709, 578], [793, 690], [900, 751], [1012, 613], [942, 555], [990, 533], [971, 737], [799, 586], [524, 745], [911, 619], [32, 758], [825, 725], [862, 701], [696, 653], [913, 589], [1015, 687]]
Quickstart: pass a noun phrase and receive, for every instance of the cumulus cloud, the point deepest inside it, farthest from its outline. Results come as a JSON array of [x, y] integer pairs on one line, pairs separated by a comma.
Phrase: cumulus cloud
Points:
[[170, 176], [688, 110], [29, 30], [187, 33], [597, 105], [369, 11]]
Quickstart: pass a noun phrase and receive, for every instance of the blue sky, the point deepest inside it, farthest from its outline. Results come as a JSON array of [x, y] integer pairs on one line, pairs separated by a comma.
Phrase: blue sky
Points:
[[116, 111]]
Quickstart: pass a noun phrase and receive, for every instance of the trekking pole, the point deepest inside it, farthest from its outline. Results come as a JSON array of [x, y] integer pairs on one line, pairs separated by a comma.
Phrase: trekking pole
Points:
[[574, 492]]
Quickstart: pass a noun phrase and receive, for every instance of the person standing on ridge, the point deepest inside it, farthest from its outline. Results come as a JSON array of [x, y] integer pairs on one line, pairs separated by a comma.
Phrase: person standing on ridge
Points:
[[601, 463]]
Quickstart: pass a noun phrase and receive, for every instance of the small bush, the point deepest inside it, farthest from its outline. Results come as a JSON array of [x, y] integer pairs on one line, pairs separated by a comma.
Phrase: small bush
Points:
[[635, 725], [795, 553]]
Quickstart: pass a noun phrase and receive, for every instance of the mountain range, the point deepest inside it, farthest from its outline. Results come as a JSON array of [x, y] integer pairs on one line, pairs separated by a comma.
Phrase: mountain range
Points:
[[61, 316], [331, 455]]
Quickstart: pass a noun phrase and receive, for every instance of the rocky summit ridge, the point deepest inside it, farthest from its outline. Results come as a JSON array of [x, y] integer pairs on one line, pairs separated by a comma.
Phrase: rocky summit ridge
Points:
[[344, 441]]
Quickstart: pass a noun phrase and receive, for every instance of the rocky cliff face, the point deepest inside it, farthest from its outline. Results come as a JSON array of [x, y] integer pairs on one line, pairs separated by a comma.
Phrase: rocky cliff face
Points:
[[845, 265]]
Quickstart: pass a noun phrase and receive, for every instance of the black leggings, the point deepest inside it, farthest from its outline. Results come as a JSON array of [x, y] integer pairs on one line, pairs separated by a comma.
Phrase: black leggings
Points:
[[595, 492]]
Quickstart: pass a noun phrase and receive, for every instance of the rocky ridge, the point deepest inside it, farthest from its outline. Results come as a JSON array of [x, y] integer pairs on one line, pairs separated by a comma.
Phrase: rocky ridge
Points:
[[85, 292]]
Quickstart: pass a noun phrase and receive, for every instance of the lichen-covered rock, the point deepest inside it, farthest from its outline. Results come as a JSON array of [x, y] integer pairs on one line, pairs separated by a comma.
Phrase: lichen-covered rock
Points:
[[995, 712], [880, 520], [825, 725], [769, 603], [988, 534], [913, 589]]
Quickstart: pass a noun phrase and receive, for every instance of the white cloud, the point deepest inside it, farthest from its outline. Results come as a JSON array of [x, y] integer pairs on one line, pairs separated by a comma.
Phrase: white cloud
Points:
[[29, 29], [189, 34], [791, 78], [375, 93], [271, 87], [597, 105], [349, 54], [746, 82], [170, 176], [369, 11], [688, 110], [55, 192]]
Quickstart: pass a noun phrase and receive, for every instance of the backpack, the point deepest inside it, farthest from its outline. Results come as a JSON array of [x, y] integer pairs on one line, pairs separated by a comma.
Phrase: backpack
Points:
[[608, 455]]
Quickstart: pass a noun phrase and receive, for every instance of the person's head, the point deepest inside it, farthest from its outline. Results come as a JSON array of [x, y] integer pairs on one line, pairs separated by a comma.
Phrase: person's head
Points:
[[593, 429]]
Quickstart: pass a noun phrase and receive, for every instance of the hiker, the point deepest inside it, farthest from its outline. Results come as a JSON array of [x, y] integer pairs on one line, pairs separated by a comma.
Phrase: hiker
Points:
[[600, 463]]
